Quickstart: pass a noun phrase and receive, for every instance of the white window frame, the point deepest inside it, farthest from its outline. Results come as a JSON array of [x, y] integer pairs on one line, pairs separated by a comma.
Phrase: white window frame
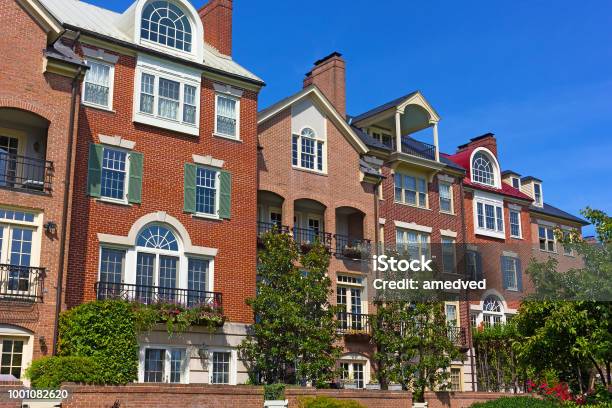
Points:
[[540, 202], [217, 171], [7, 235], [352, 285], [237, 100], [351, 369], [233, 373], [166, 376], [111, 85], [450, 379], [172, 72], [416, 177], [126, 183], [520, 227], [515, 271], [420, 236], [494, 167], [316, 139], [488, 199], [450, 192], [546, 239]]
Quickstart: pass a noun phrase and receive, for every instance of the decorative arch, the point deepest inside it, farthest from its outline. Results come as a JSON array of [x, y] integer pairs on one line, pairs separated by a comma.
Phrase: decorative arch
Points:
[[177, 15], [477, 155]]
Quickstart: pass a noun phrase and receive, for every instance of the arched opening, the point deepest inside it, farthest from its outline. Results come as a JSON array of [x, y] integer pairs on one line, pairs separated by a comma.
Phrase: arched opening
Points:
[[309, 223], [350, 241], [269, 213], [23, 151], [484, 168], [492, 311]]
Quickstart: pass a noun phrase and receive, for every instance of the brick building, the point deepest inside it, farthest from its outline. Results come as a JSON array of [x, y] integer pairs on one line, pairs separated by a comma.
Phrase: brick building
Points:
[[39, 82], [166, 157]]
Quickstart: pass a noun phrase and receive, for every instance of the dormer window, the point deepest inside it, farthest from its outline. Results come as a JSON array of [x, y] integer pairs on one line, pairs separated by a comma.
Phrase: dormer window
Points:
[[537, 194], [165, 23], [482, 169]]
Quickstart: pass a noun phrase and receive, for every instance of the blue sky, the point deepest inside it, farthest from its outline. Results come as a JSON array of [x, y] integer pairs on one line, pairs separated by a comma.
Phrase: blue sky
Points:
[[537, 74]]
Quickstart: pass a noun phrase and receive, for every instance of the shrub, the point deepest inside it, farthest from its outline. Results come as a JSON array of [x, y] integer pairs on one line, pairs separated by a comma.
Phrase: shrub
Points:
[[516, 402], [274, 392], [51, 372], [327, 402], [106, 332]]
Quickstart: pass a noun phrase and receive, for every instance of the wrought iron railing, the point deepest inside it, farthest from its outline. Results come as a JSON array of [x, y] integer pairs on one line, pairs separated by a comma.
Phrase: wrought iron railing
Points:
[[21, 283], [307, 237], [149, 295], [351, 247], [457, 335], [417, 148], [353, 323], [265, 227], [25, 173]]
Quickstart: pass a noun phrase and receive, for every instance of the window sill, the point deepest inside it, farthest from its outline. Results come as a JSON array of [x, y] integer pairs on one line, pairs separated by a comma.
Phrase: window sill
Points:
[[515, 237], [98, 107], [206, 216], [167, 124], [447, 213], [548, 252], [320, 173], [232, 138], [493, 234], [413, 206], [113, 201]]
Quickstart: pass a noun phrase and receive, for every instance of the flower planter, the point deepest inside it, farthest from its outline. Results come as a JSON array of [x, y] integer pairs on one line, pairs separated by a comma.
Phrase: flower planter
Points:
[[276, 404], [373, 386], [352, 253], [395, 387], [350, 385], [419, 405]]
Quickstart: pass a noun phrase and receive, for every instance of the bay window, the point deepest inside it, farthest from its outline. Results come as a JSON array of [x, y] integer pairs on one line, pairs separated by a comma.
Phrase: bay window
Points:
[[489, 214]]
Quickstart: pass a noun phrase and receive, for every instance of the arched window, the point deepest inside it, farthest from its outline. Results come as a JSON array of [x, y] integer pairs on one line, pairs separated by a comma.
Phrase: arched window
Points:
[[165, 23], [482, 169], [492, 311], [157, 237], [308, 150]]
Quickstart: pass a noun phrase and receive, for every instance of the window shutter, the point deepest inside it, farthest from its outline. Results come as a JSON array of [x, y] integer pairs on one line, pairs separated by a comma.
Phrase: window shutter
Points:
[[190, 188], [519, 275], [94, 170], [135, 186], [225, 196], [479, 274], [503, 272]]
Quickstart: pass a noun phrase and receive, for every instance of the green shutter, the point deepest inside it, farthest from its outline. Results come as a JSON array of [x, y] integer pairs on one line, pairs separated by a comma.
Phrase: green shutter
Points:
[[94, 169], [190, 188], [225, 197], [135, 184]]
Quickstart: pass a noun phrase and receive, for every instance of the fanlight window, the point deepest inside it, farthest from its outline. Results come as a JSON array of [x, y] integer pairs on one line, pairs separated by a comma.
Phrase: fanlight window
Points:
[[308, 132], [482, 169], [492, 304], [157, 237], [165, 23]]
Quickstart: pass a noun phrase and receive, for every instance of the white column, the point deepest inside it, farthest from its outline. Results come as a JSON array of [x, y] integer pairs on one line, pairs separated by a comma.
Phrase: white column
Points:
[[435, 135], [398, 132]]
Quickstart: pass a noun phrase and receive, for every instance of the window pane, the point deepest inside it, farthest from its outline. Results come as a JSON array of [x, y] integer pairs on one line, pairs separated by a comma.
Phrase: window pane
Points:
[[480, 211], [206, 191], [499, 218], [167, 277], [111, 265], [490, 216], [320, 156], [165, 23], [482, 169], [113, 174], [97, 83], [197, 271], [147, 93], [221, 367], [308, 153], [226, 115], [154, 365], [168, 98], [294, 150], [145, 266], [189, 106], [176, 365]]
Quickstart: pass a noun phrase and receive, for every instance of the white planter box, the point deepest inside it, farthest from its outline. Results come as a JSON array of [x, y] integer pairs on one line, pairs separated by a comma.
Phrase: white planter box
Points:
[[276, 404], [373, 386], [419, 405], [350, 386], [395, 387]]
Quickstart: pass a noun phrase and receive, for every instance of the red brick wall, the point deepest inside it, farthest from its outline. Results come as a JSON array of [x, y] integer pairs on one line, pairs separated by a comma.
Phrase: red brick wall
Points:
[[216, 17], [24, 86], [460, 399], [165, 153]]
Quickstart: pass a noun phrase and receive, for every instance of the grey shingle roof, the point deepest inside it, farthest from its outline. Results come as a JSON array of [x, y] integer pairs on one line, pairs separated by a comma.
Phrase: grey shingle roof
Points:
[[382, 107], [549, 210], [62, 52]]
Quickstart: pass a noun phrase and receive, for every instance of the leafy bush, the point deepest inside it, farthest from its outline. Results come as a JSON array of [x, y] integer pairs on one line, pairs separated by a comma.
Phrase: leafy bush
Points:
[[106, 332], [51, 372], [516, 402], [327, 402], [274, 391]]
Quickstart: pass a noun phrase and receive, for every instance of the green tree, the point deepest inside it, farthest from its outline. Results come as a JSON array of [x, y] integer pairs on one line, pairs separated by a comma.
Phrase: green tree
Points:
[[294, 334]]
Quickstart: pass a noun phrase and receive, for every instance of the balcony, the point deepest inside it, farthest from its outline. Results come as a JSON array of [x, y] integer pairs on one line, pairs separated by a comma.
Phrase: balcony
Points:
[[150, 295], [417, 148], [352, 248], [267, 227], [307, 237], [21, 283], [25, 173], [458, 336], [353, 324]]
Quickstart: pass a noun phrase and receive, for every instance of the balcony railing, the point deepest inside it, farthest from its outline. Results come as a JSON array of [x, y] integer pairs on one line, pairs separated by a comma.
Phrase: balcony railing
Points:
[[353, 323], [352, 248], [21, 283], [25, 173], [457, 335], [265, 227], [149, 295], [417, 148], [306, 238]]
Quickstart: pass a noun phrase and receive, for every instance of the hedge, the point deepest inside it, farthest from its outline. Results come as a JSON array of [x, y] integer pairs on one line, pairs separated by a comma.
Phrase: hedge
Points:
[[516, 402], [327, 402], [51, 372]]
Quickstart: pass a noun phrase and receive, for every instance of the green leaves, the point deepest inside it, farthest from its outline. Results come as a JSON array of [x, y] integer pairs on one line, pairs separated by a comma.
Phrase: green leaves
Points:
[[51, 372]]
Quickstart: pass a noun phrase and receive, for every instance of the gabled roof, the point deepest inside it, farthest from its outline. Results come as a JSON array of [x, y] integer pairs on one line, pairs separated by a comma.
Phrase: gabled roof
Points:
[[510, 173], [555, 212], [107, 24], [530, 178], [413, 98], [312, 91], [383, 107]]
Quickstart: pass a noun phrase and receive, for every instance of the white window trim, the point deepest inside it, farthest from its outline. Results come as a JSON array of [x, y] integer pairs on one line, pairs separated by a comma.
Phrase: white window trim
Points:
[[520, 226], [233, 374], [554, 240], [126, 184], [416, 177], [424, 248], [494, 164], [516, 272], [450, 192], [236, 137], [317, 138], [141, 362], [16, 333], [413, 226], [173, 72], [217, 193], [484, 198], [35, 226], [350, 285], [352, 358], [111, 85]]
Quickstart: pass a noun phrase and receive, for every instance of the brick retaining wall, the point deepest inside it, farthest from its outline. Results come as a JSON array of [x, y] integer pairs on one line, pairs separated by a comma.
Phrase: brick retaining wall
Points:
[[460, 399]]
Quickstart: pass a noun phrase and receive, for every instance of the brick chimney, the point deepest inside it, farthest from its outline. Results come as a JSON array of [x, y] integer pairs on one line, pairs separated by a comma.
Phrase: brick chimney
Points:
[[328, 74], [216, 17], [487, 140]]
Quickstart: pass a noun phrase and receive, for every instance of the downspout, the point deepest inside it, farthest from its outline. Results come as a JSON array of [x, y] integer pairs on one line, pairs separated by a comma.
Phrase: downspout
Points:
[[68, 175]]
